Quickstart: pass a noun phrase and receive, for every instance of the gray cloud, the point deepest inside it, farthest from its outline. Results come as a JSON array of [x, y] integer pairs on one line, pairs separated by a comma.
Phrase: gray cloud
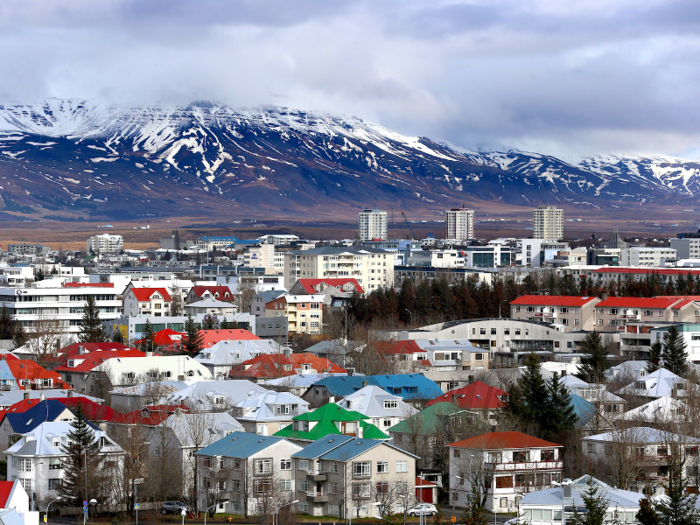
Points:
[[569, 78]]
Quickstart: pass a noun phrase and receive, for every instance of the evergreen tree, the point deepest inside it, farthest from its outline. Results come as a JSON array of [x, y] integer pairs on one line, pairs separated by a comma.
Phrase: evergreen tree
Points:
[[595, 362], [147, 336], [647, 515], [674, 355], [91, 329], [561, 416], [655, 357], [678, 508], [208, 323], [6, 323], [474, 513], [596, 506], [193, 342], [118, 337], [534, 389], [80, 478]]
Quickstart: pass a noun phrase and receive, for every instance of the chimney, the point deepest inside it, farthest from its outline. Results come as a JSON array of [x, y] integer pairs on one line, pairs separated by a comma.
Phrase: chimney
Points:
[[81, 349], [42, 397], [359, 430], [26, 395], [178, 412], [364, 384], [69, 393]]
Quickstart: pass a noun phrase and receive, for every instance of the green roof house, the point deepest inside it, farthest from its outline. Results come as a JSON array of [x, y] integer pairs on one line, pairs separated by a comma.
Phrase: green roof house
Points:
[[330, 419]]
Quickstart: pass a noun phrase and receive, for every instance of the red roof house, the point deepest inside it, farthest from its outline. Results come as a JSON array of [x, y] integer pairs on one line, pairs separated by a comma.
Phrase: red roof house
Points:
[[270, 366], [31, 375], [76, 349], [147, 301], [220, 293], [503, 440], [477, 397], [553, 300], [315, 286]]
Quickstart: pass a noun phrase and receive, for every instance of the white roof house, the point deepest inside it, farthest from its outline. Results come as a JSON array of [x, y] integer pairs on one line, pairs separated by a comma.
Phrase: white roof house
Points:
[[661, 383], [268, 412], [297, 384], [544, 507], [385, 409], [34, 457], [628, 369], [170, 367], [211, 306], [214, 395], [224, 355], [661, 410], [646, 435]]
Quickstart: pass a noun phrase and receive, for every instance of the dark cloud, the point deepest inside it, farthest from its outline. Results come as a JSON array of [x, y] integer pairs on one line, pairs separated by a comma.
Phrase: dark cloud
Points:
[[558, 77]]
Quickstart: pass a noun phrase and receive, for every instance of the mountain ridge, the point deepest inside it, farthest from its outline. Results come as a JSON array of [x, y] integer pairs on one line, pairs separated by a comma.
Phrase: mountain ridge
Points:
[[76, 157]]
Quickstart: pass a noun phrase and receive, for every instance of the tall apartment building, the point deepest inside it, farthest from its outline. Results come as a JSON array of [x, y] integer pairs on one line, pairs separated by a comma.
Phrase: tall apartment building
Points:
[[105, 243], [370, 267], [460, 224], [33, 307], [373, 225], [548, 223]]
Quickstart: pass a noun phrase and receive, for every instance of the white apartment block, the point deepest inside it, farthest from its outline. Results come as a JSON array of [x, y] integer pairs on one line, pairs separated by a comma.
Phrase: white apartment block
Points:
[[105, 243], [548, 223], [636, 256], [264, 256], [460, 224], [34, 306], [370, 267], [373, 225]]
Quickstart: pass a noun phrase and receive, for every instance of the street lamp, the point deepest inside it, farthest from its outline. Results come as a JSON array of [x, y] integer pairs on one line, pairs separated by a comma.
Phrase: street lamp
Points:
[[92, 502], [405, 505], [411, 314], [47, 507], [275, 516], [206, 512]]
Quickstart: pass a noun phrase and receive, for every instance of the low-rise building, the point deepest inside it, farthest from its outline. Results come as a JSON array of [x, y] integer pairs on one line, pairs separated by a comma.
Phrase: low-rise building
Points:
[[573, 312], [351, 477], [384, 409], [617, 312], [246, 473], [477, 397], [268, 412], [147, 301], [105, 243], [507, 464], [660, 383]]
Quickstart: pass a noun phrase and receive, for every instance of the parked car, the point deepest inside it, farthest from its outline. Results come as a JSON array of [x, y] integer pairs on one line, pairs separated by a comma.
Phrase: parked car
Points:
[[176, 507], [422, 510]]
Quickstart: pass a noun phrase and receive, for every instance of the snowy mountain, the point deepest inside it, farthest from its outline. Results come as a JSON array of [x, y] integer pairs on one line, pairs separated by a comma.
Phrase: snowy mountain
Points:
[[79, 158]]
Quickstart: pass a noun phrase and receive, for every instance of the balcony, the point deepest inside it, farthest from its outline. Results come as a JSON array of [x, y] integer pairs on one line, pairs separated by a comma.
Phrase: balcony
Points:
[[222, 473], [317, 497], [316, 476], [629, 317]]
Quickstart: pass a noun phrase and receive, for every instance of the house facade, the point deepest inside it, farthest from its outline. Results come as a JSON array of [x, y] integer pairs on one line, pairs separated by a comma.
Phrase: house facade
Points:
[[575, 313], [506, 464], [147, 301]]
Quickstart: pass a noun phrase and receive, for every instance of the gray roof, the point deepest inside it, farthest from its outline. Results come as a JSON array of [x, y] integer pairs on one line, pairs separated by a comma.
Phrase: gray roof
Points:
[[553, 497], [369, 401], [162, 387], [322, 446], [642, 435], [235, 352], [336, 250], [356, 446], [336, 346], [270, 295], [239, 445], [186, 426], [201, 394], [261, 407]]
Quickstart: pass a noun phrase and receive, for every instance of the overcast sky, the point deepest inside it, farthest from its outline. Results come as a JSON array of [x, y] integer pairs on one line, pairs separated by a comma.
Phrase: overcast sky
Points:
[[564, 77]]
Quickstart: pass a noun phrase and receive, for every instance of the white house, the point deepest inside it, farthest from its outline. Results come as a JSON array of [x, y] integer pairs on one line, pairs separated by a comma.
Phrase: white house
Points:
[[36, 460], [660, 383], [146, 301], [385, 409], [214, 395], [221, 357], [268, 412], [544, 507], [128, 370], [510, 463]]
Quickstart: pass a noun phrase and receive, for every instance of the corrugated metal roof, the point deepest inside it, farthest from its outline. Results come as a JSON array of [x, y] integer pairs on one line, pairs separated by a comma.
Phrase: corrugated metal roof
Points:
[[239, 445]]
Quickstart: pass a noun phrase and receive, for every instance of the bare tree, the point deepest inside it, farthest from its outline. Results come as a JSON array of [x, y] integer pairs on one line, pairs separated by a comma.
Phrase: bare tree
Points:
[[164, 467], [247, 290], [45, 337], [133, 439]]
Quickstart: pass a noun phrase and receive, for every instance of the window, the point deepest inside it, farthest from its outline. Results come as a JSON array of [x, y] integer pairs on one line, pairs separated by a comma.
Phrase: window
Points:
[[286, 485], [304, 486], [482, 331], [591, 448], [303, 464], [263, 466], [493, 331], [236, 484], [547, 455], [26, 485], [362, 469], [54, 483], [55, 464], [236, 464], [382, 467], [303, 507], [360, 490], [262, 486], [393, 403], [285, 464], [387, 423], [479, 357], [494, 457], [607, 449], [612, 311], [504, 503], [455, 453], [401, 487], [517, 331], [24, 465], [402, 466], [521, 457], [662, 451], [382, 487], [506, 331]]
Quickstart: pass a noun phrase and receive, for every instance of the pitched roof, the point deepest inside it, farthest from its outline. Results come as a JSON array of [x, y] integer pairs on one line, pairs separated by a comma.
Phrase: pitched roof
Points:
[[26, 369], [554, 497], [23, 422], [221, 290], [74, 349], [165, 337], [144, 294], [340, 386], [325, 418], [661, 410], [638, 302], [93, 411], [370, 401], [321, 446], [503, 440], [426, 422], [659, 383], [408, 386], [211, 337], [5, 491], [240, 445], [553, 300], [311, 285], [476, 395], [93, 359], [642, 435], [278, 365]]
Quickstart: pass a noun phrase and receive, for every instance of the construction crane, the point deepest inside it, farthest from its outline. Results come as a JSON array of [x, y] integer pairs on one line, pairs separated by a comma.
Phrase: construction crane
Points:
[[409, 225]]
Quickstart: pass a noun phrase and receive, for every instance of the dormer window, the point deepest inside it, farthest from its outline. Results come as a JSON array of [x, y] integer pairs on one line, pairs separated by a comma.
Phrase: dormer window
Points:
[[641, 385], [391, 404]]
